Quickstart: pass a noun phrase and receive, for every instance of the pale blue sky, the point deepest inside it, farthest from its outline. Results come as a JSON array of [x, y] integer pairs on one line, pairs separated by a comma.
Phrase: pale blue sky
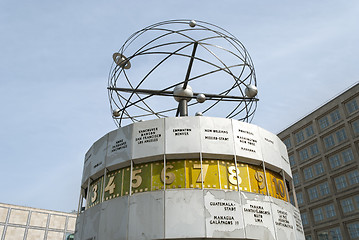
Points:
[[56, 56]]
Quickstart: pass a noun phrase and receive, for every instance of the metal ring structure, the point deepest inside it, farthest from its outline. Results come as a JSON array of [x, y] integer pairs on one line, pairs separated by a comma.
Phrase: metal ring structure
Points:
[[157, 58]]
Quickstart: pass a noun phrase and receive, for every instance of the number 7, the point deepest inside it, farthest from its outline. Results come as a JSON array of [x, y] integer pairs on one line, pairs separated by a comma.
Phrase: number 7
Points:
[[204, 171]]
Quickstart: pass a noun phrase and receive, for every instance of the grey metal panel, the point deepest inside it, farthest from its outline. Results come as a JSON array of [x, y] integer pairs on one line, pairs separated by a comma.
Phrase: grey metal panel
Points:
[[146, 218], [223, 213], [79, 226], [90, 228], [283, 219], [285, 159], [119, 149], [95, 159], [270, 149], [114, 219], [182, 135], [147, 140], [258, 219], [216, 137], [184, 214], [299, 232], [247, 141]]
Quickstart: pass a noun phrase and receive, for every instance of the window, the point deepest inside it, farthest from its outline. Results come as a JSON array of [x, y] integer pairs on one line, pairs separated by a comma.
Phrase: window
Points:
[[287, 143], [303, 154], [291, 160], [335, 116], [313, 193], [331, 234], [353, 230], [309, 131], [308, 237], [300, 198], [299, 136], [334, 161], [340, 182], [335, 234], [308, 173], [352, 106], [323, 122], [304, 217], [319, 168], [353, 177], [347, 155], [314, 150], [324, 189], [347, 205], [341, 135], [296, 179], [318, 214], [291, 198], [329, 141], [355, 126], [329, 211], [356, 200]]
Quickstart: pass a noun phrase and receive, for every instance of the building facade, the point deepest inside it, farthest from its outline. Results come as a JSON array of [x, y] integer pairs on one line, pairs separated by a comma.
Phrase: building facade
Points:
[[323, 150], [25, 223]]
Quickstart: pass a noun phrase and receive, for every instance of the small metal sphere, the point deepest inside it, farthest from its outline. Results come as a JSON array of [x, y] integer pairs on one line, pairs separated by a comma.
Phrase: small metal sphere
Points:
[[251, 91], [201, 98], [180, 93], [192, 23], [116, 113], [199, 114]]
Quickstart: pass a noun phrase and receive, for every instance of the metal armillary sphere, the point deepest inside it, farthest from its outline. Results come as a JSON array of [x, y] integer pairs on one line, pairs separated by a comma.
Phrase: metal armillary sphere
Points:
[[182, 67]]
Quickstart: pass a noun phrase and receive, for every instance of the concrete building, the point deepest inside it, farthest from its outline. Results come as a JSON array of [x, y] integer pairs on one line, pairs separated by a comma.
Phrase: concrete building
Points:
[[323, 149], [25, 223]]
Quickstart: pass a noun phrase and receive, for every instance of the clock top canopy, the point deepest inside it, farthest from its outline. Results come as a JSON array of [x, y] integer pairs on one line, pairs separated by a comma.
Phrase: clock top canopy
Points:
[[181, 68]]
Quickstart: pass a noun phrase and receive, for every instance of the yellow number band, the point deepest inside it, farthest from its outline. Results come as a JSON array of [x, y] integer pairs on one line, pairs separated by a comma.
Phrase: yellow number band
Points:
[[210, 174]]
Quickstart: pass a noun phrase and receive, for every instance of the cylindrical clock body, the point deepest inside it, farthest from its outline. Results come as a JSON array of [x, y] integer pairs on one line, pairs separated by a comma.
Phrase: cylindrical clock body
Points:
[[187, 178]]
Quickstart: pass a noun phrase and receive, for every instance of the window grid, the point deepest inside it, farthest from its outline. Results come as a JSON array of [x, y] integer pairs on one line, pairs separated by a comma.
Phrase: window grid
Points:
[[347, 155], [347, 205], [296, 179], [314, 150], [308, 173], [330, 211], [319, 168], [352, 106], [353, 177], [299, 137], [309, 131], [291, 160], [334, 161], [329, 141], [323, 122], [312, 193], [353, 229], [324, 189], [287, 143], [335, 116], [318, 214], [340, 182], [300, 198], [341, 135], [355, 126], [303, 154], [304, 217]]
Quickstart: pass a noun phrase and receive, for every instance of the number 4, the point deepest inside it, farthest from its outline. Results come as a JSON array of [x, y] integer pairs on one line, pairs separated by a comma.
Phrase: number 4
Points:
[[110, 185]]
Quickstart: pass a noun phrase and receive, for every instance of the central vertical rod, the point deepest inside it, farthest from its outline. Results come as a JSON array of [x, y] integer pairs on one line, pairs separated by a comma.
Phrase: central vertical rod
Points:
[[183, 108]]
